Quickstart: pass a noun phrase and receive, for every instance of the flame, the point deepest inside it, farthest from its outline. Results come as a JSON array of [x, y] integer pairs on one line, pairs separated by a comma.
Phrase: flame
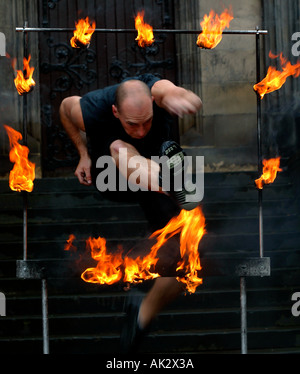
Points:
[[83, 33], [137, 270], [212, 28], [270, 169], [24, 84], [22, 175], [191, 226], [69, 246], [108, 268], [275, 79], [145, 32], [112, 267]]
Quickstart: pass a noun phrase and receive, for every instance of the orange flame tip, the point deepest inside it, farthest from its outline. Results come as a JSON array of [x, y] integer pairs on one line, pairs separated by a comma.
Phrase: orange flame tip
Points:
[[69, 245], [275, 79], [191, 226], [83, 33], [270, 169], [213, 26], [108, 268], [22, 175], [145, 32], [25, 84]]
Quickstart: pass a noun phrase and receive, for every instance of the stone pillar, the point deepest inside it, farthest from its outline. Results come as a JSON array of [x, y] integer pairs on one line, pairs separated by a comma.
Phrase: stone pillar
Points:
[[188, 58], [225, 131], [281, 108], [14, 13]]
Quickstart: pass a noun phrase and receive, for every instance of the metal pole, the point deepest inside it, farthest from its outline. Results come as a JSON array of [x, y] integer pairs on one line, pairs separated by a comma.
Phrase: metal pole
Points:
[[25, 54], [165, 31], [45, 317], [259, 148], [25, 194], [243, 303], [25, 220]]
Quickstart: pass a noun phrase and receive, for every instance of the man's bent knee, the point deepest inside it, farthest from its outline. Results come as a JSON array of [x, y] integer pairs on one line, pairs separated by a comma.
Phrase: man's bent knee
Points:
[[117, 145]]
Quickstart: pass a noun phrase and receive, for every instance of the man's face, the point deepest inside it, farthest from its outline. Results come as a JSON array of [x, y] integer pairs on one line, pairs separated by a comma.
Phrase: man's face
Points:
[[135, 119]]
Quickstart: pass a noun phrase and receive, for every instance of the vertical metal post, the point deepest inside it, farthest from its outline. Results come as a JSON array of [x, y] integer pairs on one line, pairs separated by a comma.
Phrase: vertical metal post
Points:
[[243, 295], [45, 317], [259, 147], [25, 195], [260, 214], [25, 220], [25, 54], [243, 304], [25, 212]]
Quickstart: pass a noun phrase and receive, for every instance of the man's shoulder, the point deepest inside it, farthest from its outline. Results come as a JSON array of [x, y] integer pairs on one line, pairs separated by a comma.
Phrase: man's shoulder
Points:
[[147, 78], [101, 93], [101, 99]]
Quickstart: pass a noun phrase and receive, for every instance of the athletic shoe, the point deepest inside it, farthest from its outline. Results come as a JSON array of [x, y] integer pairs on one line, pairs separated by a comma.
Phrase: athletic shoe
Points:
[[173, 178]]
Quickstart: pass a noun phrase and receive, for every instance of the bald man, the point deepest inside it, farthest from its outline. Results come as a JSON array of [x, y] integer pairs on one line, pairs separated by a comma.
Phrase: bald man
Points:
[[135, 116]]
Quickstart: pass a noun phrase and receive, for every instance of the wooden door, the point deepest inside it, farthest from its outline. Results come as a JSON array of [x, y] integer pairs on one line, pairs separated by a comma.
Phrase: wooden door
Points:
[[65, 71]]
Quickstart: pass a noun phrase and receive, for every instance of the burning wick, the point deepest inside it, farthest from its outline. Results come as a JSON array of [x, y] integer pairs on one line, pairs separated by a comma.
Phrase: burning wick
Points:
[[275, 79], [212, 28], [270, 169], [145, 32], [83, 33], [22, 175], [111, 268], [25, 84]]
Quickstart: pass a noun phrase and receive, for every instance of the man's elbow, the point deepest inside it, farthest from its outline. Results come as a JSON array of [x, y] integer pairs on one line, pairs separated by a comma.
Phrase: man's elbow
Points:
[[66, 107], [70, 111]]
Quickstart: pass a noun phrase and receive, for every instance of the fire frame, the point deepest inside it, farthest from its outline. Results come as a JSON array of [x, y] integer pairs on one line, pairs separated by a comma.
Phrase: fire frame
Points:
[[254, 266]]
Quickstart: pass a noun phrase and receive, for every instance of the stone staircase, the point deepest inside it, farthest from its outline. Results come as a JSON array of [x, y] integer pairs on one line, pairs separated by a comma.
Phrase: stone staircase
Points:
[[87, 318]]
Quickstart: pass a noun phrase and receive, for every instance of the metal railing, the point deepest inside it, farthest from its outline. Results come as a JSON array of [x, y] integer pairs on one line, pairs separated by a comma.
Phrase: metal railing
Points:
[[255, 266]]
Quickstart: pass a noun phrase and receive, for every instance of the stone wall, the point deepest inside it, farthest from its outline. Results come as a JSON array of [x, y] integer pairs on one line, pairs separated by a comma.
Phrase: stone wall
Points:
[[225, 130], [281, 109], [13, 13]]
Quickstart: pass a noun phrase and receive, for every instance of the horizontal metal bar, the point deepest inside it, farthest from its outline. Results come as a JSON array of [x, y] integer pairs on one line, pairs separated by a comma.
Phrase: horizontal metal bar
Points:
[[165, 31], [239, 267], [57, 269], [43, 269]]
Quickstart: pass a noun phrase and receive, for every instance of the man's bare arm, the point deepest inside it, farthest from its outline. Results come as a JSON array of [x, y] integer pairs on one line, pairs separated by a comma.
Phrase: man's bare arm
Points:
[[72, 120], [176, 100]]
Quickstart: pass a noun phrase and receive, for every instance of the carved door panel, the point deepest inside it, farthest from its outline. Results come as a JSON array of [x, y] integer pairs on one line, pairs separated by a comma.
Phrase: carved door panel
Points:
[[65, 71]]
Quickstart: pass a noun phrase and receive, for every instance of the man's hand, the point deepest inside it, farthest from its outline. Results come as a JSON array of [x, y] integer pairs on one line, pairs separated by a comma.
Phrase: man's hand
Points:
[[83, 171], [176, 100], [181, 101]]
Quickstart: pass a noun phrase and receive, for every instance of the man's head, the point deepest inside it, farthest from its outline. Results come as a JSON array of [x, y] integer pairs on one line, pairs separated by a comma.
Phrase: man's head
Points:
[[134, 108]]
